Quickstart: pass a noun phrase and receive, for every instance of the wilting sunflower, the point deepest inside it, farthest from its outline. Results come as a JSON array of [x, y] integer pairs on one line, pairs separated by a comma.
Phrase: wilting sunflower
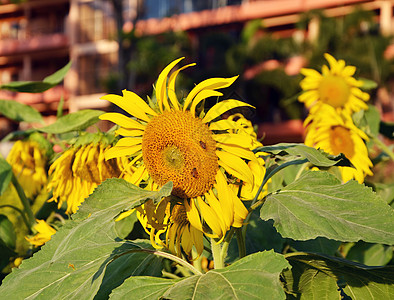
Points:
[[78, 171], [201, 153], [43, 235], [335, 86], [28, 160], [337, 134]]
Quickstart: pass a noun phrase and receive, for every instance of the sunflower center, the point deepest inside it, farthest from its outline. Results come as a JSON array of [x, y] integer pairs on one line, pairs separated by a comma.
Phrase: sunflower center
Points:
[[341, 141], [179, 147], [334, 91]]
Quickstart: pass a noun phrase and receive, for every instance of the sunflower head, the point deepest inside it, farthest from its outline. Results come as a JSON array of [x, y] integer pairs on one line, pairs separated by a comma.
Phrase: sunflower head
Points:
[[337, 134], [80, 169], [28, 159], [202, 153], [334, 86], [179, 147]]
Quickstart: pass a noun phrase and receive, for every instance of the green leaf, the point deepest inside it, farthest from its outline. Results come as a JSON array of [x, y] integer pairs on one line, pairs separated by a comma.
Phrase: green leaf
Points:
[[7, 232], [370, 254], [19, 112], [300, 151], [368, 84], [58, 76], [260, 235], [317, 204], [79, 120], [126, 225], [7, 241], [5, 175], [317, 245], [368, 120], [37, 86], [249, 278], [319, 277], [75, 262]]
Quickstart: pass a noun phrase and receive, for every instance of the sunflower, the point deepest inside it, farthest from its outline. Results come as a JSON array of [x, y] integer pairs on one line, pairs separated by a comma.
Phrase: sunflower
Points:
[[335, 134], [244, 189], [43, 235], [28, 160], [335, 86], [201, 153], [78, 171]]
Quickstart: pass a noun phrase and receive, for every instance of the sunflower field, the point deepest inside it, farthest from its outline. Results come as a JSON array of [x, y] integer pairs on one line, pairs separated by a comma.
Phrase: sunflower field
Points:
[[177, 201]]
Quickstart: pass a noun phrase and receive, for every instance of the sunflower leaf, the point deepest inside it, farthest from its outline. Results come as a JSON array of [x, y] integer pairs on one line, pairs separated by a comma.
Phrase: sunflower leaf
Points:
[[316, 157], [37, 86], [322, 277], [86, 257], [19, 112], [5, 175], [317, 204], [79, 120], [249, 278]]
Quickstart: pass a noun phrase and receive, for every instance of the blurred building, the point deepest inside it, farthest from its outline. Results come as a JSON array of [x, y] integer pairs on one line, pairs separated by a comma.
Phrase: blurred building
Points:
[[38, 37]]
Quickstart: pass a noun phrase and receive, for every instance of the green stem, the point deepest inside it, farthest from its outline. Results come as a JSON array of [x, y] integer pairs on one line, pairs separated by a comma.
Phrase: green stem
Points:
[[216, 253], [383, 146], [226, 243], [241, 242], [20, 212], [197, 261], [25, 202], [165, 255]]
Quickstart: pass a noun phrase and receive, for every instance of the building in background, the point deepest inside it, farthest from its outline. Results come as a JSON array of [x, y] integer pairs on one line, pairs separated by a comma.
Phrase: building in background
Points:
[[38, 37]]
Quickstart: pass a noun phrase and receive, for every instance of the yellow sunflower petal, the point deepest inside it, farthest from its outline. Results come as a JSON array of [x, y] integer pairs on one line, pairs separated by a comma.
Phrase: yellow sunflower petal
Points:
[[139, 102], [234, 139], [197, 237], [225, 198], [208, 84], [223, 125], [239, 151], [216, 206], [127, 105], [201, 96], [171, 86], [129, 132], [124, 215], [122, 121], [128, 142], [235, 166], [218, 109], [192, 214], [119, 151], [161, 85], [210, 217]]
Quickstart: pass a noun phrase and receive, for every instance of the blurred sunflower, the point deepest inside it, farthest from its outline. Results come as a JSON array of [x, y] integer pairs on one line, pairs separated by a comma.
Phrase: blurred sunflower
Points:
[[79, 170], [201, 153], [335, 86], [28, 159], [337, 134], [43, 235]]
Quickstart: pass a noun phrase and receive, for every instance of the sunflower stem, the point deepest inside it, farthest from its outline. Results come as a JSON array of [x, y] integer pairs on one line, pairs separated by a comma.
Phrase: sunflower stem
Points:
[[20, 212], [383, 147], [240, 234], [226, 243], [25, 202], [169, 256], [216, 253], [197, 262]]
